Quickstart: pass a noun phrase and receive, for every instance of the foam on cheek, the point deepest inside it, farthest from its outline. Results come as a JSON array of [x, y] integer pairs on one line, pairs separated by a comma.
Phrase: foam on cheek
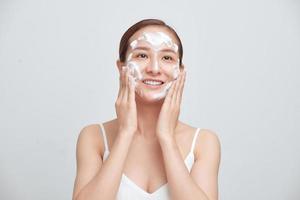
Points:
[[176, 70], [134, 71], [134, 68], [163, 93]]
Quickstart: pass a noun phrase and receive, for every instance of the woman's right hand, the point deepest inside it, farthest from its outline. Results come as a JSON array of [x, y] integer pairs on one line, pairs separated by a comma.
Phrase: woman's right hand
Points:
[[125, 104]]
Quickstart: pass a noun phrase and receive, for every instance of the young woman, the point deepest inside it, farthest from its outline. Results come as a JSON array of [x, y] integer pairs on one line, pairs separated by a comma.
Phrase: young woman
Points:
[[146, 152]]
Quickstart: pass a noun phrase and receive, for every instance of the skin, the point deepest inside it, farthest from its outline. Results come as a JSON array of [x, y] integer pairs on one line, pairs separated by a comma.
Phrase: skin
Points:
[[146, 141]]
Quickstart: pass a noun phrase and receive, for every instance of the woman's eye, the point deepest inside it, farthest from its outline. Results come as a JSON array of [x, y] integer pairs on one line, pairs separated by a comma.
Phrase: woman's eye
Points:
[[169, 58], [142, 55]]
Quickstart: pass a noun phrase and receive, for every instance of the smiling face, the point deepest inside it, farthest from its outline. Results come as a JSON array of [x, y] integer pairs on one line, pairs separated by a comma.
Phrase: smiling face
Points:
[[153, 60]]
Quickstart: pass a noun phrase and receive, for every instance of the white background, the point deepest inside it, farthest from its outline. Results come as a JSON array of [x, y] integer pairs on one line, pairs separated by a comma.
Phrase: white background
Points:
[[58, 74]]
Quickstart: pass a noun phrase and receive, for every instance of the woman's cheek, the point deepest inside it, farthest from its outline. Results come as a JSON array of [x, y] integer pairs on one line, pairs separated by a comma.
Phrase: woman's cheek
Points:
[[172, 70], [176, 71], [135, 70]]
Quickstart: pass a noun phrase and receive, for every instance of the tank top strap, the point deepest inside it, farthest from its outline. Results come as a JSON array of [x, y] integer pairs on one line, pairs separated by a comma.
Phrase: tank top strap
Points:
[[104, 137], [194, 139]]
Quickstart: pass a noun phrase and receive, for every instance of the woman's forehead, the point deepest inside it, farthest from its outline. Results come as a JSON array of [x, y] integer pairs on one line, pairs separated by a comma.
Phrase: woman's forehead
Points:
[[155, 37], [146, 46]]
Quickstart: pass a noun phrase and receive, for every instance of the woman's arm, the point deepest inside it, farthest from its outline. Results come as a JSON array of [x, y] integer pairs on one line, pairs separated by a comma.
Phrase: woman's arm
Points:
[[96, 180], [202, 182]]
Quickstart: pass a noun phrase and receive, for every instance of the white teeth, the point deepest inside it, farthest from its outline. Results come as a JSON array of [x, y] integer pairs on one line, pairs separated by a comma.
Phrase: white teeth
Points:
[[153, 82]]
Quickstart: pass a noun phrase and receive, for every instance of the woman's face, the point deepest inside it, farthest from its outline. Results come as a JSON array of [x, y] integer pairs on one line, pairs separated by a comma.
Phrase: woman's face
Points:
[[153, 60]]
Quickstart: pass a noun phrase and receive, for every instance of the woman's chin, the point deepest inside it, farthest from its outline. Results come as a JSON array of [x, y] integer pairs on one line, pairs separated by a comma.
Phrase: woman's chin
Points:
[[151, 97]]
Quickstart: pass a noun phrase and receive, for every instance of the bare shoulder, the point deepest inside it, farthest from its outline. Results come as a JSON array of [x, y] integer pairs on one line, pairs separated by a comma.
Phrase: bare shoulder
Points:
[[209, 135], [209, 145], [89, 137]]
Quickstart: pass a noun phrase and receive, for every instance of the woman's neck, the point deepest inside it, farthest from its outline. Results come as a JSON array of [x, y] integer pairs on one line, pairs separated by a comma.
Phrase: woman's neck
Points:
[[147, 116]]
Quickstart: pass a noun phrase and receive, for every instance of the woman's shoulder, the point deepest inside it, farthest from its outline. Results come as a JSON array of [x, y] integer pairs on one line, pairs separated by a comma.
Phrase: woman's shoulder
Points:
[[92, 134], [206, 132], [207, 139], [89, 137], [94, 130]]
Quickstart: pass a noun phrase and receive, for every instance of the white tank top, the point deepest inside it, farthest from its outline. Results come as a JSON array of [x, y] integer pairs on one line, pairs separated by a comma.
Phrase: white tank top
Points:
[[128, 190]]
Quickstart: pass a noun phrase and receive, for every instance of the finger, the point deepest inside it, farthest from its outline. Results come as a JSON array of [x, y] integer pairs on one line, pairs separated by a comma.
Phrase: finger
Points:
[[179, 97], [126, 88], [120, 81], [170, 92], [124, 69], [174, 96], [179, 86], [120, 84], [131, 96]]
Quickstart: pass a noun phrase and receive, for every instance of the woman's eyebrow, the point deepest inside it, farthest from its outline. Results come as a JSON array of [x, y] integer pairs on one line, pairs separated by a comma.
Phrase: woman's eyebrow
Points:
[[161, 50], [168, 50]]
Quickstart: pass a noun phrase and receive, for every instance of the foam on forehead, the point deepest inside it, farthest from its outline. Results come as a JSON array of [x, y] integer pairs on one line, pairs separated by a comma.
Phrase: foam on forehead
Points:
[[156, 39]]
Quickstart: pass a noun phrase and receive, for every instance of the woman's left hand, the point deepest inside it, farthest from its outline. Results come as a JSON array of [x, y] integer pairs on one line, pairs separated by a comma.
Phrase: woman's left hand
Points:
[[169, 113]]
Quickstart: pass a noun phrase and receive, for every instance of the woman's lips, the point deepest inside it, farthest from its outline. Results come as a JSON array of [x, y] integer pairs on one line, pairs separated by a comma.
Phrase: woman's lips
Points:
[[152, 83]]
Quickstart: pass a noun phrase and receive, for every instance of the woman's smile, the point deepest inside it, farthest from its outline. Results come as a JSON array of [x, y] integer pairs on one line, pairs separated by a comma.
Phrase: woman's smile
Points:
[[153, 83]]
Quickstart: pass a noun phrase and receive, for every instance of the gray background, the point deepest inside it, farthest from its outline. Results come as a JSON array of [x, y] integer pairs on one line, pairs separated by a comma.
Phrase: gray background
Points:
[[58, 74]]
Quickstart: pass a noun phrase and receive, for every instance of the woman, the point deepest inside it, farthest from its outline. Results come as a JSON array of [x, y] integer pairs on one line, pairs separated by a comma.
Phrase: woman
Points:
[[146, 152]]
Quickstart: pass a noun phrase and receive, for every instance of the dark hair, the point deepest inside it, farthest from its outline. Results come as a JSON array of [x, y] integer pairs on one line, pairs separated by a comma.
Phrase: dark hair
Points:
[[139, 25]]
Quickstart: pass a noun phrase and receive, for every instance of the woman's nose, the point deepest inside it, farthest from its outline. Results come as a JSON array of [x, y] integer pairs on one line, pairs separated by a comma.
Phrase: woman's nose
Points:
[[153, 67]]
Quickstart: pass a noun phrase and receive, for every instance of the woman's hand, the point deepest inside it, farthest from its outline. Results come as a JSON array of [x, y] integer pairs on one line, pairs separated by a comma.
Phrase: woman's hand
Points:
[[125, 104], [168, 116]]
